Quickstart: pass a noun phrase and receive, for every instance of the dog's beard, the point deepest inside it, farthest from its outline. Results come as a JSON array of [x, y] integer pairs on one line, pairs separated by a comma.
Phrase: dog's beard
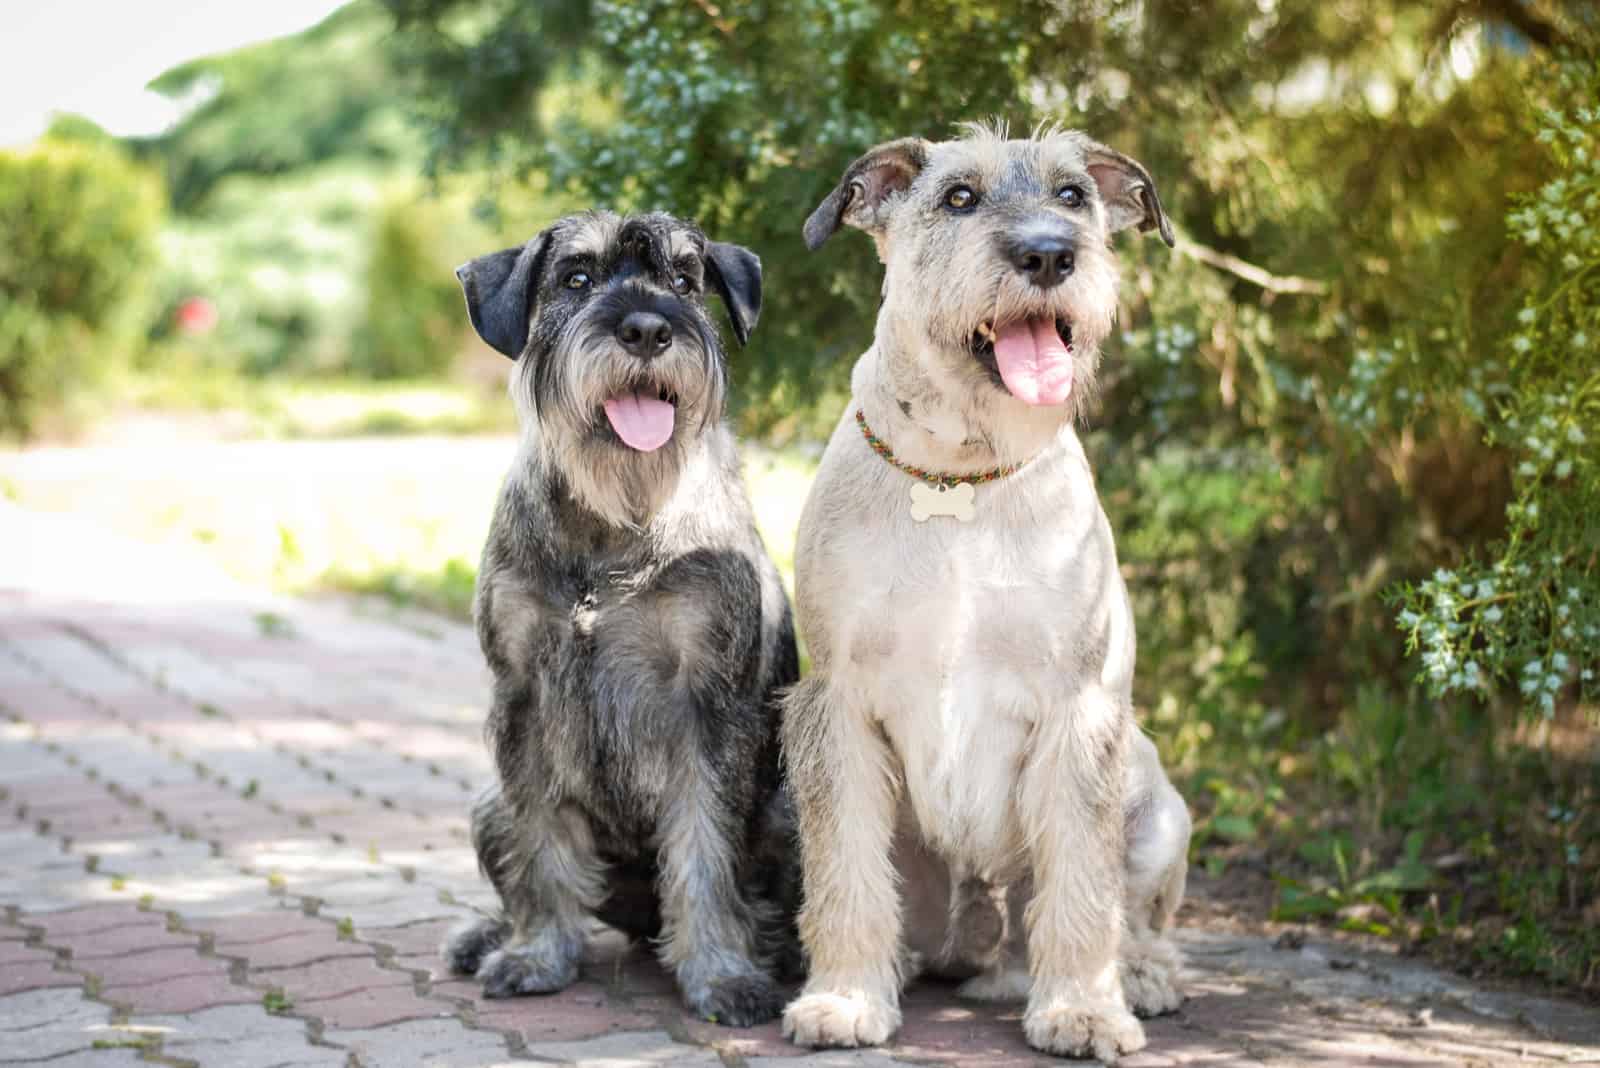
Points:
[[561, 398]]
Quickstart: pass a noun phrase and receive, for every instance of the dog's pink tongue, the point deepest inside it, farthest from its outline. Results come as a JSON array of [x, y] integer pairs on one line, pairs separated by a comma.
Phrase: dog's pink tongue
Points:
[[1035, 364], [643, 422]]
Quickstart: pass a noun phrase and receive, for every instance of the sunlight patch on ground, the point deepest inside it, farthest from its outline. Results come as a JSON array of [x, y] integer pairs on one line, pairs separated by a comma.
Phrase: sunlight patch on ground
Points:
[[404, 517]]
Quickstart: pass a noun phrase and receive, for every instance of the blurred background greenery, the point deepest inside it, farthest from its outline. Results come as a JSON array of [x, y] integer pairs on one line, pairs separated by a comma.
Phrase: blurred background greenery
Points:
[[1347, 434]]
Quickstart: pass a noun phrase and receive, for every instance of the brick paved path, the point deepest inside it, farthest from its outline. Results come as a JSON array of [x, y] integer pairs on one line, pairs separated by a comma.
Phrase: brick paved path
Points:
[[234, 830]]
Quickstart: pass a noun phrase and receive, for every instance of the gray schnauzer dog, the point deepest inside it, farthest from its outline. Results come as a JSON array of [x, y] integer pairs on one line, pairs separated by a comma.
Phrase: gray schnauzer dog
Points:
[[973, 792], [637, 632]]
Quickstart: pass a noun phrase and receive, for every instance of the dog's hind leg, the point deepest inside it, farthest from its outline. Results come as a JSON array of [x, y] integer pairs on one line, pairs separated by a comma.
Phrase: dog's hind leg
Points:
[[1005, 976], [542, 861], [845, 786], [710, 932], [1157, 868]]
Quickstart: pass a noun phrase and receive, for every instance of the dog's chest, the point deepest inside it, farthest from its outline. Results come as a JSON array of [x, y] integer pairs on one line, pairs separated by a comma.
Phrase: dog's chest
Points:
[[964, 638], [963, 672]]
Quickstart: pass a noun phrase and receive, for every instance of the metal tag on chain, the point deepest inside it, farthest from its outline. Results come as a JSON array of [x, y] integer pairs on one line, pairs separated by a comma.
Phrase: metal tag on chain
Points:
[[928, 501]]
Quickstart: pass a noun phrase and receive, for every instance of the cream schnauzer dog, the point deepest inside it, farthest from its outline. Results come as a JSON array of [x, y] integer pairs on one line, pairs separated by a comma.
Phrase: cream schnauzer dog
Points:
[[974, 794]]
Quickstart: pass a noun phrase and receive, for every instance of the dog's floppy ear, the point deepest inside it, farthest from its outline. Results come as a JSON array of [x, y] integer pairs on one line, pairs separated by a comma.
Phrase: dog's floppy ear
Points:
[[859, 197], [734, 272], [1128, 191], [499, 288]]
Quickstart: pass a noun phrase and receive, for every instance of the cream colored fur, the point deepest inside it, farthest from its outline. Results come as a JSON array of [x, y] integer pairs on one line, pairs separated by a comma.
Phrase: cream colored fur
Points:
[[972, 788]]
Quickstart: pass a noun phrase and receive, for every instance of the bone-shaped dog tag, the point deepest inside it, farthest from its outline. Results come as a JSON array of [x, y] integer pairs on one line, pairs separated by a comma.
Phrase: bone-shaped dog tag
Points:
[[929, 500]]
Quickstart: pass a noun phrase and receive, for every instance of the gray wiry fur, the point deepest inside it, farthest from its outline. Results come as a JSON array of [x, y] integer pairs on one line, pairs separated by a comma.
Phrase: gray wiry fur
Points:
[[637, 632], [973, 793]]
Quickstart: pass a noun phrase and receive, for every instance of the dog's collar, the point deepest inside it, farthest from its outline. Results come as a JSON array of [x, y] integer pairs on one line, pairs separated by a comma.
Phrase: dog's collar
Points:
[[881, 447]]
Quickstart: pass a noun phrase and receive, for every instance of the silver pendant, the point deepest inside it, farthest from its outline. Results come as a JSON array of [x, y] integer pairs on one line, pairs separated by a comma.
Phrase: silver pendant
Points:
[[954, 500]]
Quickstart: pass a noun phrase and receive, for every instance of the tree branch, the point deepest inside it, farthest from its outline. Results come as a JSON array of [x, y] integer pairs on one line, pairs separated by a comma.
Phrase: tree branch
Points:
[[1257, 276], [1522, 18]]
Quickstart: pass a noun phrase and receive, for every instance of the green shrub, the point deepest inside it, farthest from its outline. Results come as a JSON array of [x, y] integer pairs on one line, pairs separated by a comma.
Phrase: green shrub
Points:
[[280, 259], [1524, 611], [79, 221], [412, 320]]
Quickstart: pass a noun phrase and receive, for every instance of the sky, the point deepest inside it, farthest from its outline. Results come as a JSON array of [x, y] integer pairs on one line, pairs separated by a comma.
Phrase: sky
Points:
[[94, 57]]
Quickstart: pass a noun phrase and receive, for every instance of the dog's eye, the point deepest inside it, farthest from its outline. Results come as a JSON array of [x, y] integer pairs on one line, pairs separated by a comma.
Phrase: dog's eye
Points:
[[681, 283], [1070, 195], [577, 280], [961, 198]]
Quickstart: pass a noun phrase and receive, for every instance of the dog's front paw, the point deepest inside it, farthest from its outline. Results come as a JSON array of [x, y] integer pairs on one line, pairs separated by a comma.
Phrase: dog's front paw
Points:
[[505, 973], [1150, 979], [737, 1000], [467, 945], [852, 1019], [1099, 1029]]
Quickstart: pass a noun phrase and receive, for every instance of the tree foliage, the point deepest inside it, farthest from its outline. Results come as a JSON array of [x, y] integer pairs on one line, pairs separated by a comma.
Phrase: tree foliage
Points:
[[1525, 610], [280, 107], [1293, 420]]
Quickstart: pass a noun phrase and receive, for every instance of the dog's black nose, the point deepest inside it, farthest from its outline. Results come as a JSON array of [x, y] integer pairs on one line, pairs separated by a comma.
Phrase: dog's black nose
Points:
[[1047, 259], [645, 334]]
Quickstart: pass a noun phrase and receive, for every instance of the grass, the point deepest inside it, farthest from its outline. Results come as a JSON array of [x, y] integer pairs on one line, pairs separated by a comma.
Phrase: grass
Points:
[[302, 407]]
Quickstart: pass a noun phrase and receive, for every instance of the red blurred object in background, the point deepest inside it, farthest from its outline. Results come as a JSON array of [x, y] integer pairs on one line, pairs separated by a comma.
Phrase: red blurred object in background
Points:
[[197, 315]]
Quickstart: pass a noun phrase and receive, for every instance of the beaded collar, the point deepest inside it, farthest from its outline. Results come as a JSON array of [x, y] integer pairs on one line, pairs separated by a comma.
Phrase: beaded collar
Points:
[[881, 447]]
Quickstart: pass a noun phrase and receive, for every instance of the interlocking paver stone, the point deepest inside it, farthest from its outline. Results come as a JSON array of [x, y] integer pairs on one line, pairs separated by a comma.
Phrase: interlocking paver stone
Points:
[[13, 953], [628, 1051], [37, 1024], [374, 1007], [157, 746], [441, 1043], [240, 1036], [330, 978], [66, 925], [267, 958], [581, 1011], [188, 993], [35, 975], [155, 966], [120, 942], [833, 1058], [118, 1057]]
